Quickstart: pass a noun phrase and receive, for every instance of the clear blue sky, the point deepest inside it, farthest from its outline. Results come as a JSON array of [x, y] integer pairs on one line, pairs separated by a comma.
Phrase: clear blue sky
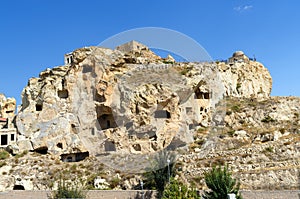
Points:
[[36, 34]]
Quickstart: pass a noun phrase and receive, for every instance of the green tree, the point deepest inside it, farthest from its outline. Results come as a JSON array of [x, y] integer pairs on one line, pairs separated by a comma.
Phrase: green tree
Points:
[[221, 183], [177, 190], [158, 175]]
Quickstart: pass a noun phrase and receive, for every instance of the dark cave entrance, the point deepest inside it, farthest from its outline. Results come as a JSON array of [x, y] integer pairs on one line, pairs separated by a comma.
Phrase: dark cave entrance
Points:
[[162, 114], [18, 187]]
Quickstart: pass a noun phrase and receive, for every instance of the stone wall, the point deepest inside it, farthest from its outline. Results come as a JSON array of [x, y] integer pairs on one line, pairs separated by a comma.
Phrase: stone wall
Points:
[[286, 194], [110, 194]]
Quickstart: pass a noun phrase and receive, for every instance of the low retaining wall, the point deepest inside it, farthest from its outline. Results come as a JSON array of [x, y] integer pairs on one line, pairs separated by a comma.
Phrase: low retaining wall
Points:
[[92, 194], [111, 194], [282, 194]]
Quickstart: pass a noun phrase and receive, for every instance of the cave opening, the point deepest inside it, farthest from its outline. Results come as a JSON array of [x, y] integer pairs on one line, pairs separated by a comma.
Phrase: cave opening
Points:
[[63, 94], [109, 145], [201, 95], [162, 114], [137, 147], [18, 187], [105, 118], [41, 150], [38, 107], [189, 110], [59, 145], [4, 140], [106, 121], [74, 157]]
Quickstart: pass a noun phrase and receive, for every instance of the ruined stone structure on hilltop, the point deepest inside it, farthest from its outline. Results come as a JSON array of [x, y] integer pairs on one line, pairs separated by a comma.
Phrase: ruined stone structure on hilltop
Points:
[[8, 132]]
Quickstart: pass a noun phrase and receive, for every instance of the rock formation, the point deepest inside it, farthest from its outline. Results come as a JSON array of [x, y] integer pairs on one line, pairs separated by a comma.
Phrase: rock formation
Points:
[[121, 106], [106, 100], [243, 77], [7, 115]]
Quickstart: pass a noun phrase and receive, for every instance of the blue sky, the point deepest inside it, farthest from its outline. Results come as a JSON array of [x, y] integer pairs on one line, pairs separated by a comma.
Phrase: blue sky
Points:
[[36, 34]]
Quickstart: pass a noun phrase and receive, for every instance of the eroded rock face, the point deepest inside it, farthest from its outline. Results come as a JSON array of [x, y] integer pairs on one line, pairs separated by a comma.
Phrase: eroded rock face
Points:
[[245, 78], [105, 102], [7, 107], [108, 100]]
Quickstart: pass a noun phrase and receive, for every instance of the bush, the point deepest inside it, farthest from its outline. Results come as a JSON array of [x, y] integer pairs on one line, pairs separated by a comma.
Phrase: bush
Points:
[[269, 149], [114, 183], [67, 190], [238, 86], [268, 119], [177, 189], [2, 164], [235, 108], [220, 183], [3, 155], [158, 179], [21, 154], [158, 176], [184, 71]]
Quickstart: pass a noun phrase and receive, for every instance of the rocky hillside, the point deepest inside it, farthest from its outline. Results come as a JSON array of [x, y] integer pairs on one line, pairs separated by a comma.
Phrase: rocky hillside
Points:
[[260, 142], [121, 107]]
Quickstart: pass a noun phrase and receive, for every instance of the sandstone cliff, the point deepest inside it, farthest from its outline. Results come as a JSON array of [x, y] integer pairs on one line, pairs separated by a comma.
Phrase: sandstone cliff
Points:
[[121, 107], [107, 98]]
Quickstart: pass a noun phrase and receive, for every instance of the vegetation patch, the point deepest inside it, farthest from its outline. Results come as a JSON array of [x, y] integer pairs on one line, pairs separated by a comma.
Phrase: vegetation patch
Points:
[[68, 190], [221, 183], [268, 119], [21, 154], [2, 163], [269, 149], [176, 189], [3, 155]]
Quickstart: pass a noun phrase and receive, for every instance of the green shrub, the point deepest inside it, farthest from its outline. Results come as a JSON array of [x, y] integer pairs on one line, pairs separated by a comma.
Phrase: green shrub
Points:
[[228, 112], [3, 155], [231, 132], [21, 154], [177, 189], [2, 164], [73, 167], [201, 130], [235, 108], [220, 183], [168, 62], [68, 190], [114, 183], [269, 149], [158, 176], [238, 86], [184, 71], [158, 179], [268, 119]]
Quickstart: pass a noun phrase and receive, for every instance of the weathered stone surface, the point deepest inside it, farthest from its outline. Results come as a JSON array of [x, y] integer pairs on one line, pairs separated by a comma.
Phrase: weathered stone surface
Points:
[[245, 78], [110, 103], [7, 107], [105, 95], [8, 131]]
